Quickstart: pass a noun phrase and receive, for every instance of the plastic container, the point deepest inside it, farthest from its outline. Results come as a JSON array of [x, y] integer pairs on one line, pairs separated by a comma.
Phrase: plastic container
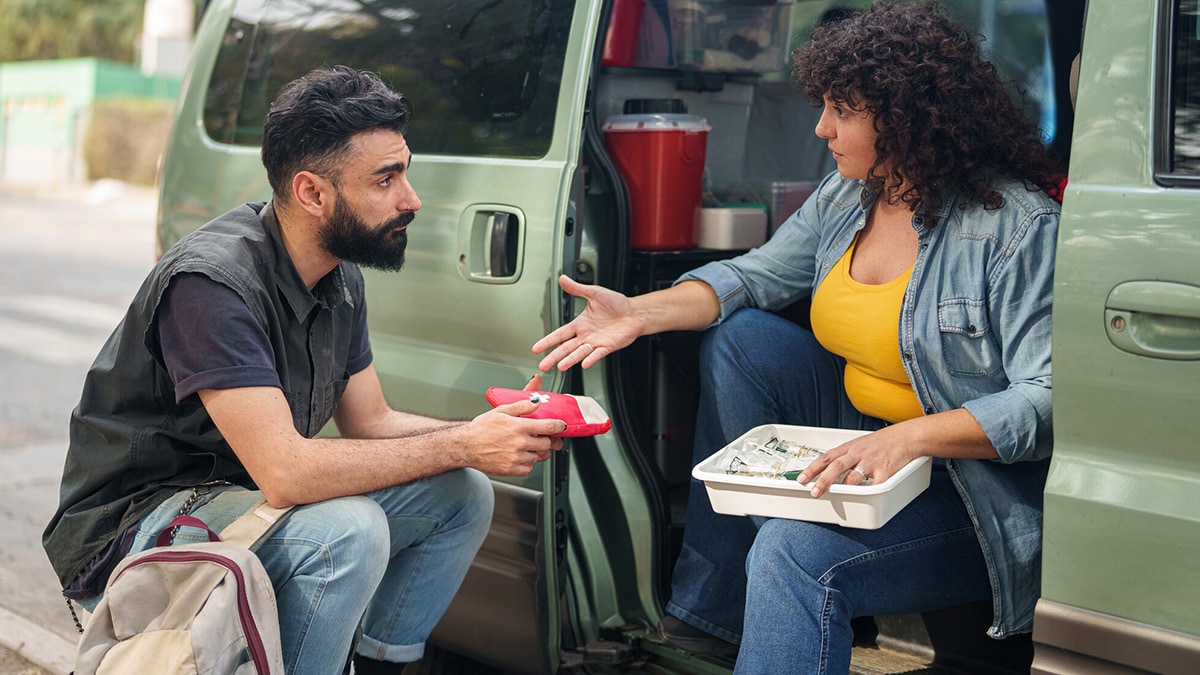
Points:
[[661, 159], [621, 40], [716, 35], [860, 506], [733, 228]]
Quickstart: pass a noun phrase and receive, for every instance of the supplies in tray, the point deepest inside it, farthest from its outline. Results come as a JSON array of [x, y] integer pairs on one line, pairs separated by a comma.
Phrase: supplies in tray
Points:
[[773, 458]]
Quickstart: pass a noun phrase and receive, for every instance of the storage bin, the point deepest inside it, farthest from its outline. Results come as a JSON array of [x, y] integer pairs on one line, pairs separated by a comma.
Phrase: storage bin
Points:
[[733, 228], [860, 506], [716, 35], [661, 159]]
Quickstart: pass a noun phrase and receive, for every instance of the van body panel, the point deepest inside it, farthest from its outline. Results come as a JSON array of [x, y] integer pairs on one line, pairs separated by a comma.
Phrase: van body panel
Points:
[[1121, 493]]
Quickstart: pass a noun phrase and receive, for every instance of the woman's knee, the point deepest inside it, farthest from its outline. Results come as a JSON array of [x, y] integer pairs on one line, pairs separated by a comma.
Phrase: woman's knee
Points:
[[787, 551]]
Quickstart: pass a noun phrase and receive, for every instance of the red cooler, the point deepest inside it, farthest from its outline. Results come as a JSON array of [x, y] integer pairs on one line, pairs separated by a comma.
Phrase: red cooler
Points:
[[661, 159]]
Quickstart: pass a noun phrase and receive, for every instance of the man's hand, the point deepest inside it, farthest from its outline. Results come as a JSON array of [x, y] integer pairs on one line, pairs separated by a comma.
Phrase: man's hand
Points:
[[502, 443]]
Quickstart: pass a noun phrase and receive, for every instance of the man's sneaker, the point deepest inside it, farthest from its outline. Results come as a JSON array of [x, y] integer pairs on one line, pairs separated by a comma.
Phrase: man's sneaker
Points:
[[686, 636]]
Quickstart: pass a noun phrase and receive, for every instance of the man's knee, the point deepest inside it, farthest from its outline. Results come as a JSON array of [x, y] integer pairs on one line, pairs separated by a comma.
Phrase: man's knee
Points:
[[356, 525], [472, 494]]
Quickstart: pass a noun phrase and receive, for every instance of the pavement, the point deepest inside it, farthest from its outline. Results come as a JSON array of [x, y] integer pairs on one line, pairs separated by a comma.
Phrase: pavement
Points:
[[37, 634], [28, 649]]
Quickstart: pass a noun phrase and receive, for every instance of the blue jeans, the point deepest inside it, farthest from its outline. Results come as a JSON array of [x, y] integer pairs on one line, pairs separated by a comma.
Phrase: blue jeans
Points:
[[807, 580], [757, 368], [392, 559]]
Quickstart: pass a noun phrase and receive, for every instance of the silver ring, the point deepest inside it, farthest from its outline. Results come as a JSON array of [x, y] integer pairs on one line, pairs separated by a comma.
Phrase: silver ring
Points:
[[865, 477], [589, 346]]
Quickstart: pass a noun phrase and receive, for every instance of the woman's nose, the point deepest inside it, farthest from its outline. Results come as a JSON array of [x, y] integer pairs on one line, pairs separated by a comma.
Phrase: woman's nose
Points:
[[824, 127]]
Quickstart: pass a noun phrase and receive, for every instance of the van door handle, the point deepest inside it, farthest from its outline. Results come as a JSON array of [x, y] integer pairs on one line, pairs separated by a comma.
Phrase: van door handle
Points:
[[490, 242], [1159, 319], [502, 257]]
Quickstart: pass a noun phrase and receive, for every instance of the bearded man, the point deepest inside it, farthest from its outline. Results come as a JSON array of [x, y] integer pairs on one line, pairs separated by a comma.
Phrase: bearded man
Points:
[[243, 342]]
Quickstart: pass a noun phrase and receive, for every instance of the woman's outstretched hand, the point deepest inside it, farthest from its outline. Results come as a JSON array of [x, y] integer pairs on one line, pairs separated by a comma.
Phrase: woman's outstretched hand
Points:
[[607, 324]]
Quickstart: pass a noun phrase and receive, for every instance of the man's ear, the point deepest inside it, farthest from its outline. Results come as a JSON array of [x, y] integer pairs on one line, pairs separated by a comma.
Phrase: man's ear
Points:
[[312, 193]]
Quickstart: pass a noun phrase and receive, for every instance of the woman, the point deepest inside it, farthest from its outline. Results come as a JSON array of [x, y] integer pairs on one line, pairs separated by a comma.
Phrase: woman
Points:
[[928, 257]]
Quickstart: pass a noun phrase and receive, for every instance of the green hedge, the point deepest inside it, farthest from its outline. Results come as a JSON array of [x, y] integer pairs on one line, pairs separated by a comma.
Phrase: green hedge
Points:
[[124, 139]]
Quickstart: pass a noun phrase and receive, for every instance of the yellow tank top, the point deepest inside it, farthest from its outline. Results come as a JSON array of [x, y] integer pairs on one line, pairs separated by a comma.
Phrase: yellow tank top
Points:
[[860, 322]]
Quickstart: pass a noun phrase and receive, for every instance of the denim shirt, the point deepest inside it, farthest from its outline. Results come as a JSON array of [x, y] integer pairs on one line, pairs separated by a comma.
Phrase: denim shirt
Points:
[[974, 333]]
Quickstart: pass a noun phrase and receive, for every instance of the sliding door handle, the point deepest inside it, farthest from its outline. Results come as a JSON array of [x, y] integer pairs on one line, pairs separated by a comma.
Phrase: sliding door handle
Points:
[[1158, 319], [491, 240]]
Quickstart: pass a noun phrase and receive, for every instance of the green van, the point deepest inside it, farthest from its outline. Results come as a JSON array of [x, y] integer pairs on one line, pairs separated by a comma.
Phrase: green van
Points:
[[519, 185]]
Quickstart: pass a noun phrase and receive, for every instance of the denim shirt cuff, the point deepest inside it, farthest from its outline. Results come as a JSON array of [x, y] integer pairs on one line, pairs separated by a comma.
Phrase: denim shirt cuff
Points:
[[1010, 422], [730, 290]]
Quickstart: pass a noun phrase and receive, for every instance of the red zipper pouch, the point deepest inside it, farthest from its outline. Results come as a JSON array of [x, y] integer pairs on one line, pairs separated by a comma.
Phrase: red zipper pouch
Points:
[[582, 415]]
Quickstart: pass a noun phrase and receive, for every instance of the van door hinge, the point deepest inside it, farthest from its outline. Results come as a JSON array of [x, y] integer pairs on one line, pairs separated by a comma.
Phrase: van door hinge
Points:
[[601, 651]]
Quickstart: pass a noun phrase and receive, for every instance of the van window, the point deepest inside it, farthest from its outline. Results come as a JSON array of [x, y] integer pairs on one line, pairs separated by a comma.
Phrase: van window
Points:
[[483, 75], [1185, 91]]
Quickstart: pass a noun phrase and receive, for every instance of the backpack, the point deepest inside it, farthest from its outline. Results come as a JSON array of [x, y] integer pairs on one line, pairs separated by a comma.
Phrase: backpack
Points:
[[206, 608]]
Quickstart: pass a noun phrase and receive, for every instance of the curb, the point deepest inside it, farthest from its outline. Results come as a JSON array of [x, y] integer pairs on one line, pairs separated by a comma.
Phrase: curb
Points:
[[41, 647]]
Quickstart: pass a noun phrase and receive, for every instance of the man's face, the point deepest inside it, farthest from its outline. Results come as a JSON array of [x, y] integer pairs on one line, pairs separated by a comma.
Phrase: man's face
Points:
[[374, 203], [346, 235]]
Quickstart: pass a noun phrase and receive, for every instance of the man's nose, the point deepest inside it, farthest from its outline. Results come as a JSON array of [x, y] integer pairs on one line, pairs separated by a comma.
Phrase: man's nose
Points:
[[410, 201]]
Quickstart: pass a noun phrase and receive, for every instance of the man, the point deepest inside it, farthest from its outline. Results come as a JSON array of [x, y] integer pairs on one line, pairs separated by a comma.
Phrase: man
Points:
[[243, 342]]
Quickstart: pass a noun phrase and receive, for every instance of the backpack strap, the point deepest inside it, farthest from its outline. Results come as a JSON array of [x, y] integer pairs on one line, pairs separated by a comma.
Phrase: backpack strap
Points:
[[255, 525], [168, 532]]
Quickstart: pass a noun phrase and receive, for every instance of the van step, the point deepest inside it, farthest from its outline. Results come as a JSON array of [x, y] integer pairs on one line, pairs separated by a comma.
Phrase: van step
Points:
[[883, 661]]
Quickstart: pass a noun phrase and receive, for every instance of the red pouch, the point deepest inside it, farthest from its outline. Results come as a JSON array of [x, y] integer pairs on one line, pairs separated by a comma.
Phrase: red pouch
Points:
[[582, 415]]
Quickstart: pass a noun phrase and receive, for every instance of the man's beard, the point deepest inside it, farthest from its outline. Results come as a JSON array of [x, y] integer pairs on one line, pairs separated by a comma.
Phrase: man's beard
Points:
[[346, 236]]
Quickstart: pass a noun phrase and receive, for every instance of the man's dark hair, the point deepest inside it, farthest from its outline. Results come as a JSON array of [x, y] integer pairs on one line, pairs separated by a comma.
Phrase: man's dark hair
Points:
[[310, 124], [946, 122]]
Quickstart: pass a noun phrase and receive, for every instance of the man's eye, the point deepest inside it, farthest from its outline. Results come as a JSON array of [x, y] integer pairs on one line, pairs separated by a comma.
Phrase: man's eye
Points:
[[385, 182]]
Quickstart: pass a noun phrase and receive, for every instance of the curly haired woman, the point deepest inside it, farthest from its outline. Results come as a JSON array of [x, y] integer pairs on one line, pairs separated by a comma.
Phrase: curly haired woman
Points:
[[928, 257]]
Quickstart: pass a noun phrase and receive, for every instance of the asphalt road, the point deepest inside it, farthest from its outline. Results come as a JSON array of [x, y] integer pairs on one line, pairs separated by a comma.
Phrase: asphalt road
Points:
[[70, 260]]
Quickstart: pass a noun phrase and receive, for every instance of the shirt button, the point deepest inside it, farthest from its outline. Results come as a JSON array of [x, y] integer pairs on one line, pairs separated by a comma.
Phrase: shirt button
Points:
[[928, 410], [971, 328]]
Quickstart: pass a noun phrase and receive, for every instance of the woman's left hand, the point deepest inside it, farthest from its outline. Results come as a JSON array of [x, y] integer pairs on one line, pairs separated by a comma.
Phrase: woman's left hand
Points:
[[868, 459]]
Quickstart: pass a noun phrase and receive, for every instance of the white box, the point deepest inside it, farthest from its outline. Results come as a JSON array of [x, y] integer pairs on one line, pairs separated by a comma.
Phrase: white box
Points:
[[732, 229], [862, 506]]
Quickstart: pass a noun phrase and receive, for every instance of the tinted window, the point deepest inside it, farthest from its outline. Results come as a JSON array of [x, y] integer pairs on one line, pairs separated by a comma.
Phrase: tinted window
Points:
[[1185, 92], [1016, 40], [483, 75]]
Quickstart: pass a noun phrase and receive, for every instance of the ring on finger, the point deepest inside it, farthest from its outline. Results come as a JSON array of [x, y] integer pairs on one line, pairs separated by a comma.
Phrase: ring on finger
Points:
[[589, 346], [863, 474]]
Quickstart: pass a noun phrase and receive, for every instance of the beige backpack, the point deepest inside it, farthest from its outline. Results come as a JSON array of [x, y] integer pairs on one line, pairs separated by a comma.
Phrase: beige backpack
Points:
[[205, 608]]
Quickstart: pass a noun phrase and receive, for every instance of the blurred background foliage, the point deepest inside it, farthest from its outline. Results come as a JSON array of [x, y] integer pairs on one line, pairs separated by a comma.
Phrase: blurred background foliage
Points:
[[60, 29]]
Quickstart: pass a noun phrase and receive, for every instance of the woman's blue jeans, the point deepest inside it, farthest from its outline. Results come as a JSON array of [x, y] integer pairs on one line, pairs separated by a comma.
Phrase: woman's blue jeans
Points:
[[787, 591], [392, 559]]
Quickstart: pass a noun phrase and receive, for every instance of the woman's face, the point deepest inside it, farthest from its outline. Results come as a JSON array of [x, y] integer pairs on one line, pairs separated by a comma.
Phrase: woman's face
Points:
[[851, 135]]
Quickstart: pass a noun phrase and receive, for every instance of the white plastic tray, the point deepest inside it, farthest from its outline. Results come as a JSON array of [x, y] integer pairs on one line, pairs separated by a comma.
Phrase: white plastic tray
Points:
[[862, 506]]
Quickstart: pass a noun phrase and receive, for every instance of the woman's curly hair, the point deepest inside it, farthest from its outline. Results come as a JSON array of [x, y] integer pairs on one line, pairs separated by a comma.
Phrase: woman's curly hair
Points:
[[945, 121]]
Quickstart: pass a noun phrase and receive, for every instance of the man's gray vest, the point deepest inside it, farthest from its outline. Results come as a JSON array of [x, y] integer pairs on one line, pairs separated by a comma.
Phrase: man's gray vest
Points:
[[132, 445]]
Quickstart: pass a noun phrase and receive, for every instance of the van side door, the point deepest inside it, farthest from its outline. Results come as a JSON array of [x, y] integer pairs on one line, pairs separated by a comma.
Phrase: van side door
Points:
[[1122, 513]]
